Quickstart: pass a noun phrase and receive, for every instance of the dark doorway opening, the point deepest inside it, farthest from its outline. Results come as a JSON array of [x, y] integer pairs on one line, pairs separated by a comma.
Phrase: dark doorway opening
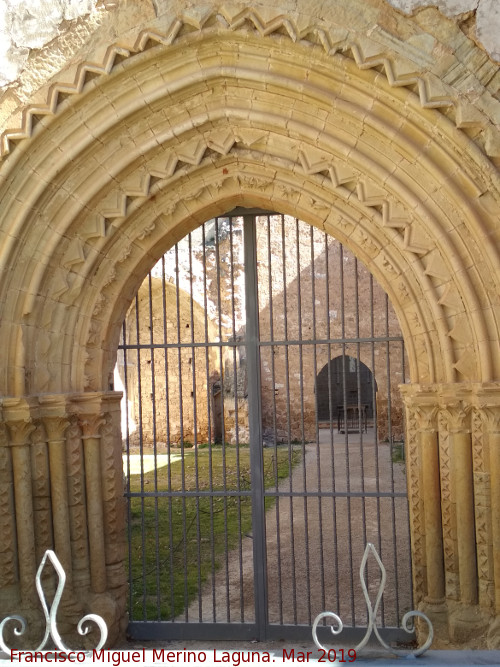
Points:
[[344, 383]]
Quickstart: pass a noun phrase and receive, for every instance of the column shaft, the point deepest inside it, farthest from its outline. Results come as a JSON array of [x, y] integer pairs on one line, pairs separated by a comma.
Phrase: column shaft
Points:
[[23, 497], [60, 509], [95, 516], [466, 541], [432, 514]]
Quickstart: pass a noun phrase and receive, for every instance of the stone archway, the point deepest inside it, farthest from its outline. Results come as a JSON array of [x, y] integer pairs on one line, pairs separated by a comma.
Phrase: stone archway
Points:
[[327, 407], [208, 115]]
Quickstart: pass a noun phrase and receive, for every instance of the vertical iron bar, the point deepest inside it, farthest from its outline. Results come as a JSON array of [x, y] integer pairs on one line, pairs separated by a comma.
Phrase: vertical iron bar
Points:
[[375, 427], [155, 452], [181, 427], [288, 412], [236, 424], [127, 441], [141, 454], [302, 428], [255, 423], [195, 429], [169, 444], [318, 450], [221, 368], [273, 379], [391, 438], [361, 419], [346, 428], [211, 437], [330, 412]]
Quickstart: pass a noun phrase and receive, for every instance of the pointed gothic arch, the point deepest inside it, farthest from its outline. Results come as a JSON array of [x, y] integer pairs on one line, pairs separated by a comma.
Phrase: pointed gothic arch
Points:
[[105, 180]]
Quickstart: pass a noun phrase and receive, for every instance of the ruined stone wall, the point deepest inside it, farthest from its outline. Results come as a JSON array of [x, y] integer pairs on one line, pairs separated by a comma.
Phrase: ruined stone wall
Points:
[[311, 291], [176, 396], [319, 292]]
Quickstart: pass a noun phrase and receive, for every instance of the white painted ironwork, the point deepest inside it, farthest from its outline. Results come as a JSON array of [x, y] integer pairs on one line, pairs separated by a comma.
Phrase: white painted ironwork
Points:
[[51, 613], [407, 621]]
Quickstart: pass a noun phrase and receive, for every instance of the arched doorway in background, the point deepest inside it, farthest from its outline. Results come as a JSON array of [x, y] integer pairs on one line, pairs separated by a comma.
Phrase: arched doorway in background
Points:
[[344, 381]]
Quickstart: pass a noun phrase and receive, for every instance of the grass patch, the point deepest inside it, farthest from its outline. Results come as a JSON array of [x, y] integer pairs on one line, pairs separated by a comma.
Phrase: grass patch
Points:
[[178, 542], [398, 452]]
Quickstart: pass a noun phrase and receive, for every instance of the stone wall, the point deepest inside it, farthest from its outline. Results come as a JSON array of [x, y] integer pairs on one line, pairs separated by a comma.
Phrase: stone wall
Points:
[[310, 291]]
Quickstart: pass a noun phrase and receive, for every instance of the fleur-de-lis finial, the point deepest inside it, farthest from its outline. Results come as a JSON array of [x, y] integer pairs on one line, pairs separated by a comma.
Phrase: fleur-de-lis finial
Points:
[[51, 613], [407, 621]]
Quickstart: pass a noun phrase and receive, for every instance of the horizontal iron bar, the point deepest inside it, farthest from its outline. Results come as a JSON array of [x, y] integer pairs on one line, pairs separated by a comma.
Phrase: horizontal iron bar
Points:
[[265, 343], [347, 638], [153, 630], [331, 341], [189, 494], [176, 346], [267, 494]]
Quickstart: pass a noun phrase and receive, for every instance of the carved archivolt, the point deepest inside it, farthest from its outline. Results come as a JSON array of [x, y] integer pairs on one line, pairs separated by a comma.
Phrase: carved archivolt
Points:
[[169, 139], [367, 52]]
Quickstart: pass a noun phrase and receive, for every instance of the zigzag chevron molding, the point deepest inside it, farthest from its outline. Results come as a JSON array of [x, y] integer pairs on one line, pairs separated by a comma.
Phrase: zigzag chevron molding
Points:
[[365, 52]]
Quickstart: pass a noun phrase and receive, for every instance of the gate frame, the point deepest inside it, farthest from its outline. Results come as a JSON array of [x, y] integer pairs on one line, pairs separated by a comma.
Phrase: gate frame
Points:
[[260, 629]]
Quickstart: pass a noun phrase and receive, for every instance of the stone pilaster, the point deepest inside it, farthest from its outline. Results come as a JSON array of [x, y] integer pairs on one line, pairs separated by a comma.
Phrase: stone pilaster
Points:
[[9, 590], [455, 469], [19, 428], [466, 620], [422, 409], [61, 488], [488, 407]]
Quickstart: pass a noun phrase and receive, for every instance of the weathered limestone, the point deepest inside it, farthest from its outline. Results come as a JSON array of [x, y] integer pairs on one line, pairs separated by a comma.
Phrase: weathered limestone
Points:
[[384, 133], [467, 612], [62, 528]]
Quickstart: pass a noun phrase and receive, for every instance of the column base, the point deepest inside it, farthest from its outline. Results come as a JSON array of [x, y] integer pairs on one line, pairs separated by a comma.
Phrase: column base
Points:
[[437, 612], [467, 622], [493, 637]]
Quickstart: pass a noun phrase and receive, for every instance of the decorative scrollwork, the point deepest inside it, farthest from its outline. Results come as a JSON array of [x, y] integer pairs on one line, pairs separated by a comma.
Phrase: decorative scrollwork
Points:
[[407, 621], [51, 630]]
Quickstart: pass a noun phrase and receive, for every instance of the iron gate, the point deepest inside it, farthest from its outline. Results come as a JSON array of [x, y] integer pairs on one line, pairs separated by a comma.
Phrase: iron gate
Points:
[[263, 436]]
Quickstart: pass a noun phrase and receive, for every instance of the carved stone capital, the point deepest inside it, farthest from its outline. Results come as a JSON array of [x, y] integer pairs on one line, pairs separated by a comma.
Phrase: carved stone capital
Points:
[[458, 416], [490, 414], [91, 425], [426, 418], [20, 431], [55, 428]]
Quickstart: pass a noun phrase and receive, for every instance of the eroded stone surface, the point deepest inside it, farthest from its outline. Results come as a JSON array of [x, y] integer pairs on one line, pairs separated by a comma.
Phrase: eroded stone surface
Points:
[[381, 131], [26, 26], [488, 27], [448, 7]]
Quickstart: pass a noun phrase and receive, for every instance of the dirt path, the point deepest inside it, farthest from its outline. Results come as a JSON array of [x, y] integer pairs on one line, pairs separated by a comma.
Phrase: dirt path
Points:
[[315, 546]]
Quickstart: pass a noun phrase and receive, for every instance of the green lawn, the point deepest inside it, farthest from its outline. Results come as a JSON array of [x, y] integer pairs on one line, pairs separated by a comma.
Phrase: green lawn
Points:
[[176, 543]]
